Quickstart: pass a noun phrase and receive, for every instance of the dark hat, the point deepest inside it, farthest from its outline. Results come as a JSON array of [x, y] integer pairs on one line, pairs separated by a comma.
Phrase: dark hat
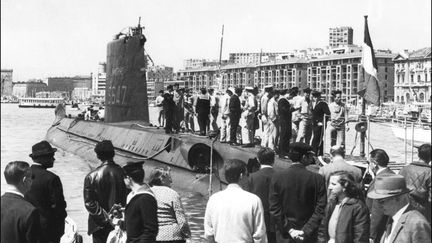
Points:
[[388, 186], [104, 146], [316, 93], [307, 90], [133, 167], [42, 148], [301, 148]]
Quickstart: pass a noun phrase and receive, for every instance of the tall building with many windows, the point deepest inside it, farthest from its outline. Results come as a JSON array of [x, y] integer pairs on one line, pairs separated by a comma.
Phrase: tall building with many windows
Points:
[[99, 80], [340, 36], [412, 71]]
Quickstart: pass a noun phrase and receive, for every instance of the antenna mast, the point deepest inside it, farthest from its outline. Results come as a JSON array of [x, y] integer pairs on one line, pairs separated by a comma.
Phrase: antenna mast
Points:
[[220, 61]]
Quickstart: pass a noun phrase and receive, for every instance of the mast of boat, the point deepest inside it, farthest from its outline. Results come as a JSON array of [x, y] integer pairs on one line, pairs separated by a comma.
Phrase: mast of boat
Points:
[[220, 62]]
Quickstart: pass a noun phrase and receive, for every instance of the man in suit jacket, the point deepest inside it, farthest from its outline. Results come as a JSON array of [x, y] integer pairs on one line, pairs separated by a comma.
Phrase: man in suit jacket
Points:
[[319, 110], [103, 187], [19, 218], [405, 224], [46, 193], [379, 159], [234, 113], [297, 198], [259, 184]]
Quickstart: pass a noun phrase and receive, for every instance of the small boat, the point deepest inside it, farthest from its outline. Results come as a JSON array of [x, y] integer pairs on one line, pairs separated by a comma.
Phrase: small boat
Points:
[[39, 102]]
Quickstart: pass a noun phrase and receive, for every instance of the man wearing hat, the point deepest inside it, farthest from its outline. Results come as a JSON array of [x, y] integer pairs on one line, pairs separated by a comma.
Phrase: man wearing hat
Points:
[[103, 187], [46, 193], [305, 126], [298, 197], [319, 110], [405, 224], [141, 207]]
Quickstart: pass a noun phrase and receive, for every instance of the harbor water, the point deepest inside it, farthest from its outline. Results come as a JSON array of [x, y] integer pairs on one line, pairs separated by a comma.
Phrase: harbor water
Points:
[[23, 127]]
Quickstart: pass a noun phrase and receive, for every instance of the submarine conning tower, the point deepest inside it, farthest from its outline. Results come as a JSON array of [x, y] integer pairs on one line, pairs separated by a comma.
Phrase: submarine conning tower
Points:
[[126, 84]]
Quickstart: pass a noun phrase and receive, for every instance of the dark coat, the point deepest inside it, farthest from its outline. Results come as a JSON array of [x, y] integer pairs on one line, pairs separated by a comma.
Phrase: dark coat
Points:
[[412, 227], [259, 184], [418, 180], [234, 106], [20, 221], [103, 187], [46, 194], [203, 105], [378, 219], [318, 112], [141, 219], [297, 201], [352, 225]]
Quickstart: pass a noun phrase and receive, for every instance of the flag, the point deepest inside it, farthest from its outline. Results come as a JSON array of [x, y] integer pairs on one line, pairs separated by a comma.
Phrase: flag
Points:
[[371, 91]]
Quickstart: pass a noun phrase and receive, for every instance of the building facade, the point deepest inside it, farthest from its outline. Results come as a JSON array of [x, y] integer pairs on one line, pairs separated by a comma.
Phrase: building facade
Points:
[[340, 36], [68, 84], [157, 76], [6, 82], [344, 72], [412, 71], [99, 80], [28, 89], [254, 57]]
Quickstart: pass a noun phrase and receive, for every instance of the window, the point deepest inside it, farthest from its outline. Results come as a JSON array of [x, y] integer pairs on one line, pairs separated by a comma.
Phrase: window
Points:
[[418, 78], [412, 78], [385, 77]]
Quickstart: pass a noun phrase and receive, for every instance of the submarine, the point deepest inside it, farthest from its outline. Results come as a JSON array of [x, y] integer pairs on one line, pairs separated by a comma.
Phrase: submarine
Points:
[[196, 162]]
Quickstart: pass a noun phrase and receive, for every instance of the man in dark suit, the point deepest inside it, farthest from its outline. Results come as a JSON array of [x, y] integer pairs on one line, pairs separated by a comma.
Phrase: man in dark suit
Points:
[[379, 159], [297, 198], [259, 184], [170, 110], [285, 116], [319, 110], [20, 221], [405, 224], [103, 187], [46, 193], [235, 113]]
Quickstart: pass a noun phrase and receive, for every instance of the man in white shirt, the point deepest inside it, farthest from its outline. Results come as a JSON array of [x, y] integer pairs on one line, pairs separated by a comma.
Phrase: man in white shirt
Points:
[[272, 121], [264, 116], [159, 105], [224, 110], [338, 115], [406, 224], [249, 115], [234, 215]]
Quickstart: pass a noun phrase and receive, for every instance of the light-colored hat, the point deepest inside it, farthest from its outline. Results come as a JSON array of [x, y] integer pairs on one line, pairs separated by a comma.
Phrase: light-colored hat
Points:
[[388, 186], [249, 88], [232, 90], [268, 86]]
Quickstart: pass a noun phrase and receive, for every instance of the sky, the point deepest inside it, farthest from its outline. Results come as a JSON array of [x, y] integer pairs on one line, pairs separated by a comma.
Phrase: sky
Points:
[[47, 38]]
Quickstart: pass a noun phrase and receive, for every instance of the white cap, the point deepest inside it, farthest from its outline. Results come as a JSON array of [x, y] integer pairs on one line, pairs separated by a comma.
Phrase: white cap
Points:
[[249, 88], [232, 90]]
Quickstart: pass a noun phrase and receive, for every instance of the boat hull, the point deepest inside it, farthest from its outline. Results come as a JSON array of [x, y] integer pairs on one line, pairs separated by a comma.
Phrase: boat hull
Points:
[[420, 135], [187, 155]]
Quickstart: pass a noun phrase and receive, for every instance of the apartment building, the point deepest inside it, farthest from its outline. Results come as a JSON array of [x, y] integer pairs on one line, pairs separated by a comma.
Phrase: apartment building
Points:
[[412, 71], [157, 76], [344, 72], [340, 36], [254, 57], [99, 80]]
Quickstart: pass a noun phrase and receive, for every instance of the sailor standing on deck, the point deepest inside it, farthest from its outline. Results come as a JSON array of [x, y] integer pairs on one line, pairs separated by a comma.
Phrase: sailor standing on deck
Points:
[[264, 116], [305, 125], [203, 110], [249, 116], [285, 116], [214, 110], [178, 113], [273, 120], [46, 193], [319, 110], [224, 110], [169, 108], [295, 101], [234, 115], [338, 114], [103, 187], [159, 105]]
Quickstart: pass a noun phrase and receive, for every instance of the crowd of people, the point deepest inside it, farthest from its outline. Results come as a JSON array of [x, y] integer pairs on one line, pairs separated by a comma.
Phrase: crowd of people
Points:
[[283, 116], [296, 204]]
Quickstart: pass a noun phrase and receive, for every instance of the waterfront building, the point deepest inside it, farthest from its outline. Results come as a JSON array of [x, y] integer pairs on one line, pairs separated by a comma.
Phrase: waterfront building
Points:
[[343, 72], [81, 94], [99, 80], [199, 63], [157, 76], [6, 82], [340, 36], [412, 71], [28, 89], [68, 84], [282, 74], [255, 57]]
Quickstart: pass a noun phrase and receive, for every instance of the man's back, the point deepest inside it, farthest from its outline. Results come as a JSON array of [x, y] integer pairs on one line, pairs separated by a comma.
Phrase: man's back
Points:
[[46, 194], [19, 220], [340, 165], [259, 184], [234, 215], [297, 199], [103, 187]]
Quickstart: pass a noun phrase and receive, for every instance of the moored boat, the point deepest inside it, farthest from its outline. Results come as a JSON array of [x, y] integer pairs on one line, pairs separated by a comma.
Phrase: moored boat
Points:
[[39, 102]]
